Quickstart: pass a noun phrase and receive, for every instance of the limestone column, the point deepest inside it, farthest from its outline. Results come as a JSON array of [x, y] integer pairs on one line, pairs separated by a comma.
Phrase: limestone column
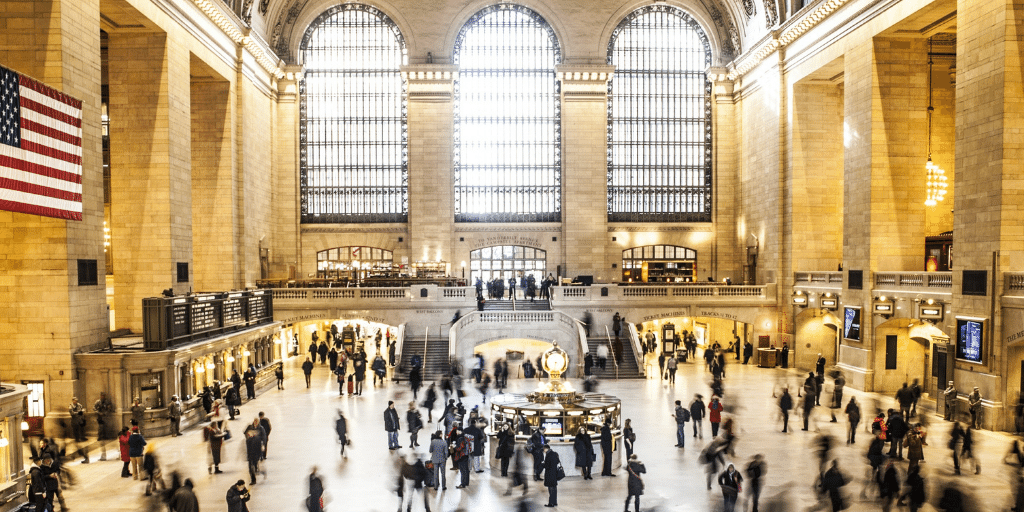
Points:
[[215, 247], [430, 116], [728, 258], [151, 177], [989, 192], [585, 238], [48, 315], [284, 256], [885, 98]]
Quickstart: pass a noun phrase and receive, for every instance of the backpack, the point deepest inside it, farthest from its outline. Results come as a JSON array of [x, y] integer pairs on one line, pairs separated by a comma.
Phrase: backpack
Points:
[[684, 416], [530, 446]]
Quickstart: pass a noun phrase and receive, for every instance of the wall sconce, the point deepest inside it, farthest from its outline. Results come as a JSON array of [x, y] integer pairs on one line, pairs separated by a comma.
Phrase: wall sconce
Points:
[[24, 426], [800, 299], [247, 353], [200, 369], [211, 366], [3, 440], [829, 301], [930, 310], [230, 359], [883, 306]]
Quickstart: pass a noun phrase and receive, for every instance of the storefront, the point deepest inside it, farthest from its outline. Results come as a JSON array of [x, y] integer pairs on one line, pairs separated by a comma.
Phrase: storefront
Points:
[[12, 465]]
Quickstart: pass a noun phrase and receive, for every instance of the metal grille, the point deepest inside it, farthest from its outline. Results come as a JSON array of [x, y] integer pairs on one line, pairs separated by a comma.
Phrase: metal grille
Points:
[[659, 119], [353, 156], [507, 118]]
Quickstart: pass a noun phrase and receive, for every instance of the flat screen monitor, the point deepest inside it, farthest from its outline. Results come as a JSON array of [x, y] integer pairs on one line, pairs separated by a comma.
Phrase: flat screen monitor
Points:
[[552, 426], [851, 323], [969, 335]]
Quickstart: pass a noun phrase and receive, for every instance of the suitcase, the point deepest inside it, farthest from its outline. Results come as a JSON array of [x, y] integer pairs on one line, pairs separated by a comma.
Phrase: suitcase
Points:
[[351, 385]]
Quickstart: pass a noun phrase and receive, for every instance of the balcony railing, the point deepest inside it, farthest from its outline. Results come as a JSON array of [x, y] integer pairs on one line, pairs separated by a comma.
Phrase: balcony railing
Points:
[[820, 278], [1014, 283], [935, 281]]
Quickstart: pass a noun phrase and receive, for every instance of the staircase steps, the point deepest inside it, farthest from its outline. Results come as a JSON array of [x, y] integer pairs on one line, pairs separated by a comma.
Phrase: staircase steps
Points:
[[628, 368], [520, 305], [434, 355]]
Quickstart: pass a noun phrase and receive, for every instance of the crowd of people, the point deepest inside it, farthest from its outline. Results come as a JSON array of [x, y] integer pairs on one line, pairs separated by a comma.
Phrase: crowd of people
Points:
[[893, 457]]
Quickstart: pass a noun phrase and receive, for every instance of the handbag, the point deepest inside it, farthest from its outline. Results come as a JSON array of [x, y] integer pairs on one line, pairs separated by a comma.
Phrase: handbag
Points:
[[559, 472]]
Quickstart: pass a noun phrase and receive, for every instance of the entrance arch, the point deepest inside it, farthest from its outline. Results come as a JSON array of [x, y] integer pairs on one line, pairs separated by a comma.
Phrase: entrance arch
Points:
[[481, 327], [816, 332], [902, 353]]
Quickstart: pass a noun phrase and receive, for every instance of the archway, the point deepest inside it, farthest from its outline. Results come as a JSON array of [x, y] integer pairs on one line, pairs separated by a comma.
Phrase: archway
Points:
[[816, 332], [902, 353], [515, 351]]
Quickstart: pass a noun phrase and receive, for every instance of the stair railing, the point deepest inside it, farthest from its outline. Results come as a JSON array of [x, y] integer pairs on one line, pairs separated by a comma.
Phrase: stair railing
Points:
[[611, 351], [634, 341]]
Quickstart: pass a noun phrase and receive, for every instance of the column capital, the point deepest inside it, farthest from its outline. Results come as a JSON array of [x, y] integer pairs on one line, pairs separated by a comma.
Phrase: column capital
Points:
[[430, 82], [584, 81]]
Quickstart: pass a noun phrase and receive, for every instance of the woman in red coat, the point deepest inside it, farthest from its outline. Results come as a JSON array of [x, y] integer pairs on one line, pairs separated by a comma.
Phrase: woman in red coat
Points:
[[715, 415], [122, 439]]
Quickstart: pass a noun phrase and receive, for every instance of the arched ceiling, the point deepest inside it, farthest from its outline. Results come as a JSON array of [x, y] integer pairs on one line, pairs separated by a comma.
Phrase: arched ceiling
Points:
[[733, 20]]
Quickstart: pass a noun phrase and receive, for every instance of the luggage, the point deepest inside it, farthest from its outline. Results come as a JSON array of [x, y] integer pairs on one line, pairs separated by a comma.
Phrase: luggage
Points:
[[351, 385]]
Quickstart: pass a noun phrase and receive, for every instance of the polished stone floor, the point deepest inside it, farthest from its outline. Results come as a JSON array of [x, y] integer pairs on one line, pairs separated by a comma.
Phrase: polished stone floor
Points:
[[303, 437]]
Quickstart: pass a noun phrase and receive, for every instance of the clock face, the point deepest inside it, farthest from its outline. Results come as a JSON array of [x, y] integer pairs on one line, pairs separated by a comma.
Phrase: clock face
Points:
[[555, 362]]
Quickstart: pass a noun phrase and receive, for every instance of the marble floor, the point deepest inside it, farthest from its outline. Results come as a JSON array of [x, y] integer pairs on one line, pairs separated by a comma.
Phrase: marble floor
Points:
[[303, 437]]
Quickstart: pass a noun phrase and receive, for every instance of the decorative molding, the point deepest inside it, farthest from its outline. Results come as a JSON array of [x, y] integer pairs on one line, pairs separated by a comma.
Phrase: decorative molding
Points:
[[336, 230], [749, 8], [771, 14], [656, 229], [504, 228], [212, 10]]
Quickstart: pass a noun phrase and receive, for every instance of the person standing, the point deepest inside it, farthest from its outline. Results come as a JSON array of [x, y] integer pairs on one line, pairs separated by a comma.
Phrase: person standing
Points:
[[682, 415], [136, 447], [462, 448], [583, 445], [730, 481], [315, 500], [103, 408], [839, 382], [607, 449], [359, 367], [949, 397], [635, 485], [905, 397], [748, 351], [77, 412], [628, 437], [697, 413], [413, 422], [506, 447], [602, 356], [380, 369], [265, 425], [138, 413], [915, 489], [715, 415], [974, 406], [535, 447], [479, 443], [438, 456], [672, 365], [832, 483], [391, 425], [174, 413], [341, 429], [915, 391], [785, 405], [279, 375], [552, 467], [122, 440], [307, 370], [853, 414], [254, 448], [322, 351], [238, 497], [755, 472], [897, 428], [249, 378], [183, 499]]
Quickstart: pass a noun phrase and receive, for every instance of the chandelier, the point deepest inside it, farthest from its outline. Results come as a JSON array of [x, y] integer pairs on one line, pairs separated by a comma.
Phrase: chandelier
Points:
[[935, 182]]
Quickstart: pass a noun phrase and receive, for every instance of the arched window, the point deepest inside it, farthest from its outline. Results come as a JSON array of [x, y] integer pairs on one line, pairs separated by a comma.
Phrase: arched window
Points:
[[659, 264], [342, 261], [507, 118], [505, 261], [659, 117], [352, 119]]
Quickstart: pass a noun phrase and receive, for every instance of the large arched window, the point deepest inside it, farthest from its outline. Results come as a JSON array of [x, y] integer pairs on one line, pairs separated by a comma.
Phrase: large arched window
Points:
[[352, 126], [507, 118], [659, 117]]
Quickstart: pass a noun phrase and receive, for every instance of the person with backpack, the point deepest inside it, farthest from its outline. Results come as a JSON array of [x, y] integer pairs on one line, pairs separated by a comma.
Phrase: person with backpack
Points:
[[682, 415], [461, 449]]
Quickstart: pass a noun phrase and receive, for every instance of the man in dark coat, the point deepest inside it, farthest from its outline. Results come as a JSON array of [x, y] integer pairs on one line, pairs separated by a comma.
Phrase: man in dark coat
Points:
[[184, 499], [307, 370], [314, 502], [551, 464], [237, 497], [832, 482], [730, 480], [250, 382], [697, 413], [236, 381], [322, 351], [606, 449], [479, 445], [785, 405], [535, 446], [255, 440], [905, 397], [897, 428], [462, 450], [583, 445], [391, 425]]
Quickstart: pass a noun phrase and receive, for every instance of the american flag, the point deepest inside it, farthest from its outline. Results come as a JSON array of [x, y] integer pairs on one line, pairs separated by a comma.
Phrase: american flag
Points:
[[40, 149]]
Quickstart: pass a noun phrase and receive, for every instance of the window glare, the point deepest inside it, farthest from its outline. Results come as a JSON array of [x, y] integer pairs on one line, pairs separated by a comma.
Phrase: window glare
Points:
[[659, 115], [507, 124]]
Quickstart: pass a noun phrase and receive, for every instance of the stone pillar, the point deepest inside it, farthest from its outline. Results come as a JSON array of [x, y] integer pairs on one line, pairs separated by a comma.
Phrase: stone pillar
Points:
[[151, 177], [989, 189], [285, 253], [48, 316], [585, 238], [431, 89], [728, 258], [886, 100], [215, 247]]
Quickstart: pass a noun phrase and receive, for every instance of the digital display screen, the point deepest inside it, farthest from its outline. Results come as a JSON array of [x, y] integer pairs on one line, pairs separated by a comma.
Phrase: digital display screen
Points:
[[552, 426], [968, 339], [851, 323]]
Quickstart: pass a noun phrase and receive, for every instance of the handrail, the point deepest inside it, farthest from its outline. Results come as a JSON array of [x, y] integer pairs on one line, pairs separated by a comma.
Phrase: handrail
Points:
[[634, 340], [612, 352], [399, 342]]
